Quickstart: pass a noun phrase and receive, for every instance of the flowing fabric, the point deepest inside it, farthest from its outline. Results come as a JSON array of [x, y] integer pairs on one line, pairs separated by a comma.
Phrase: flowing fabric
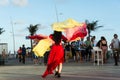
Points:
[[76, 32], [61, 26], [40, 36], [42, 47], [56, 57], [72, 29]]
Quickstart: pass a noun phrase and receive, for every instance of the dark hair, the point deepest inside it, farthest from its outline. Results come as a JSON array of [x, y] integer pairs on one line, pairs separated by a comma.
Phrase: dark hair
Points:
[[93, 37], [57, 37], [115, 35], [103, 38]]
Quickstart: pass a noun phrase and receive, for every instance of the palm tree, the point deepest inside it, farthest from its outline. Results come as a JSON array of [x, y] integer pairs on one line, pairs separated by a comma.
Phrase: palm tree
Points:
[[1, 31], [1, 60], [32, 30], [92, 26]]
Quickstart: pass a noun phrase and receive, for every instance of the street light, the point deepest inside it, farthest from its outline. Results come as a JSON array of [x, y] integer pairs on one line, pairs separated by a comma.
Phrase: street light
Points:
[[13, 36], [56, 11]]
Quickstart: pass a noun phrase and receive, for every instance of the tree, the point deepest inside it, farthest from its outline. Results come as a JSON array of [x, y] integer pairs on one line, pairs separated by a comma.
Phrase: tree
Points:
[[92, 26], [32, 30], [1, 31], [1, 60]]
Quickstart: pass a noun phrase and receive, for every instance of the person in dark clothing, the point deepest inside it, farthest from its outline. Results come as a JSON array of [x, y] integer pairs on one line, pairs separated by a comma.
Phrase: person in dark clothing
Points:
[[67, 51], [46, 57], [73, 51], [98, 43], [23, 53]]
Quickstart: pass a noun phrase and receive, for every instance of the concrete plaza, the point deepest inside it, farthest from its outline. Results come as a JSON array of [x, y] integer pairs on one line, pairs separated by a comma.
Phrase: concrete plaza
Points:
[[13, 70]]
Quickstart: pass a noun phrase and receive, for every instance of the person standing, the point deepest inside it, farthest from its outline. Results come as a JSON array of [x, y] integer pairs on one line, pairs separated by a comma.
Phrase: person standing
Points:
[[82, 49], [115, 46], [88, 49], [23, 53], [93, 41], [77, 50], [67, 51], [4, 53], [73, 51], [93, 44], [56, 56], [3, 56], [19, 54], [104, 47]]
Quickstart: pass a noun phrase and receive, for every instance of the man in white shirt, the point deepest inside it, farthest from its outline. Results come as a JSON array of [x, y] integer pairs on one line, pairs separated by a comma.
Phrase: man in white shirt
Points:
[[115, 46]]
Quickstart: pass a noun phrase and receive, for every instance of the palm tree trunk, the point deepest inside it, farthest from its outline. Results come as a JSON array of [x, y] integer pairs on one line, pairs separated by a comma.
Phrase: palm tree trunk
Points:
[[89, 33], [31, 48]]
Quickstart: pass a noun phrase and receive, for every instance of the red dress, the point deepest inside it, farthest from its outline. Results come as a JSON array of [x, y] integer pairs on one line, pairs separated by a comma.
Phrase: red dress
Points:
[[56, 56]]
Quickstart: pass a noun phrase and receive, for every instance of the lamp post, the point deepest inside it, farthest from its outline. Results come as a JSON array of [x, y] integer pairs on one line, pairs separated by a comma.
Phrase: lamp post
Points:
[[13, 36], [56, 11]]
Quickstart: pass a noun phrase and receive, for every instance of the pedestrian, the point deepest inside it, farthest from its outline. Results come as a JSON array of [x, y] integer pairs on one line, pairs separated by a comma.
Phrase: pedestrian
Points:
[[19, 52], [4, 54], [115, 46], [73, 51], [88, 49], [77, 50], [82, 49], [3, 57], [56, 56], [23, 53], [104, 47], [67, 51], [93, 41]]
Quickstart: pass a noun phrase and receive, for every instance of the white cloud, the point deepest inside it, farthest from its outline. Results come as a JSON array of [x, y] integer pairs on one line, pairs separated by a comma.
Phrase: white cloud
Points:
[[4, 2], [20, 2]]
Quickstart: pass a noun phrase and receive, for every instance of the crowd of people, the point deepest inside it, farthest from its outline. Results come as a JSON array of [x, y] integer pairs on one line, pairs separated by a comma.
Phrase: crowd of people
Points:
[[82, 50], [79, 50]]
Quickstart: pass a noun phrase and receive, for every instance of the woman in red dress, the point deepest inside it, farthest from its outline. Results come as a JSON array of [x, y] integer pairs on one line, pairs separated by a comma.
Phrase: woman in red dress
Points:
[[56, 56]]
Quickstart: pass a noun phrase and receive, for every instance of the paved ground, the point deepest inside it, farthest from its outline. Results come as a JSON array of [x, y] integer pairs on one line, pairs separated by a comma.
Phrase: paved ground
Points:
[[71, 71]]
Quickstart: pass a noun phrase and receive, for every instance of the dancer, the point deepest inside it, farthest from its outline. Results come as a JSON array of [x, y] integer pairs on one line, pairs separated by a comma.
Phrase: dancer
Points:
[[56, 56], [73, 31]]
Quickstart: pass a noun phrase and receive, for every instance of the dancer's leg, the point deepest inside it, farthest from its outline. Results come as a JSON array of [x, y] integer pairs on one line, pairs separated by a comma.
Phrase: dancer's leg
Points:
[[60, 68]]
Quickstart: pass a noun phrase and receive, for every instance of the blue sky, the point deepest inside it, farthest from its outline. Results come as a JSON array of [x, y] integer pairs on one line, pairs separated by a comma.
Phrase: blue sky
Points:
[[25, 12]]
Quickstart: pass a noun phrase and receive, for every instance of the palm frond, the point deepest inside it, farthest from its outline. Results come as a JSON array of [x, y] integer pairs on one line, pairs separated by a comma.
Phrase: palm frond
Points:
[[1, 31], [92, 26], [98, 27], [33, 28]]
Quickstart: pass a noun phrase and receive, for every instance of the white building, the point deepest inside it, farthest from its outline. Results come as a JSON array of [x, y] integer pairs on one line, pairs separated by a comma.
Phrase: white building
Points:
[[3, 46]]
